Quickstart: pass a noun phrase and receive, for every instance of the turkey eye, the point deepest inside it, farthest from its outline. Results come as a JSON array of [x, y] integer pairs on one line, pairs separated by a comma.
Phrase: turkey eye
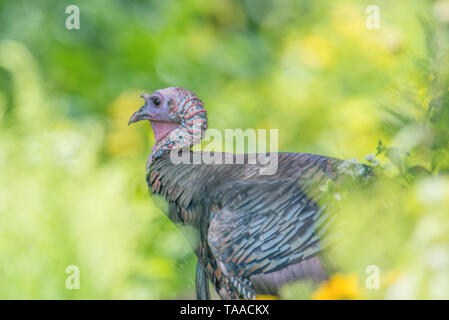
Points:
[[156, 101]]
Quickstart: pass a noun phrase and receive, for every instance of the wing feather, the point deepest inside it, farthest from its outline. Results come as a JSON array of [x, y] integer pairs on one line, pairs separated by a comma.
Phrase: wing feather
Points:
[[269, 226]]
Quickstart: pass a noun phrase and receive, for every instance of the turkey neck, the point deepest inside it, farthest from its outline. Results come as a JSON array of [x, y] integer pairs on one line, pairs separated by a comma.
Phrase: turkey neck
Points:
[[190, 189], [180, 185]]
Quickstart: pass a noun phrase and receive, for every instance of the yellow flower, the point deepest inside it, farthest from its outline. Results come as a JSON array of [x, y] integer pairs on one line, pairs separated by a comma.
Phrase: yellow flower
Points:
[[266, 297], [339, 287]]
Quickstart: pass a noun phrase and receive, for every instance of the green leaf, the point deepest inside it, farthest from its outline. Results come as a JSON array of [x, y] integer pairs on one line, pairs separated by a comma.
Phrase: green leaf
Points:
[[440, 161], [418, 171], [395, 156]]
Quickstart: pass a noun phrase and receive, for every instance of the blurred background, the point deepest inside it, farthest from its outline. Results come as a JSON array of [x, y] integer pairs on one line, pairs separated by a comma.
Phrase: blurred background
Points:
[[72, 189]]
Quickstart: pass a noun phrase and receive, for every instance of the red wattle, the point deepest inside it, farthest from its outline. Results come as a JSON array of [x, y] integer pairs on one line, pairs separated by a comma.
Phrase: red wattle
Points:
[[161, 129]]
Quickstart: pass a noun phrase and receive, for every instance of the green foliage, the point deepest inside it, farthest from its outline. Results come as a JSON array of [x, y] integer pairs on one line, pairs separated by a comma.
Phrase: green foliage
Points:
[[72, 188], [398, 221]]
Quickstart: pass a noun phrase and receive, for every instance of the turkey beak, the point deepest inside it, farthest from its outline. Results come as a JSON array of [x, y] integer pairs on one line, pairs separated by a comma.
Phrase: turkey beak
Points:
[[142, 113]]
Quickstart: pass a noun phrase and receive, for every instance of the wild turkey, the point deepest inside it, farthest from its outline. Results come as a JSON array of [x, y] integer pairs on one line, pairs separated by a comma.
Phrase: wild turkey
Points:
[[255, 232]]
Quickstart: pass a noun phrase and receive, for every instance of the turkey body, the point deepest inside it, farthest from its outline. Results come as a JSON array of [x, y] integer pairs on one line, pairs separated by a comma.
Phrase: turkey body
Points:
[[255, 232]]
